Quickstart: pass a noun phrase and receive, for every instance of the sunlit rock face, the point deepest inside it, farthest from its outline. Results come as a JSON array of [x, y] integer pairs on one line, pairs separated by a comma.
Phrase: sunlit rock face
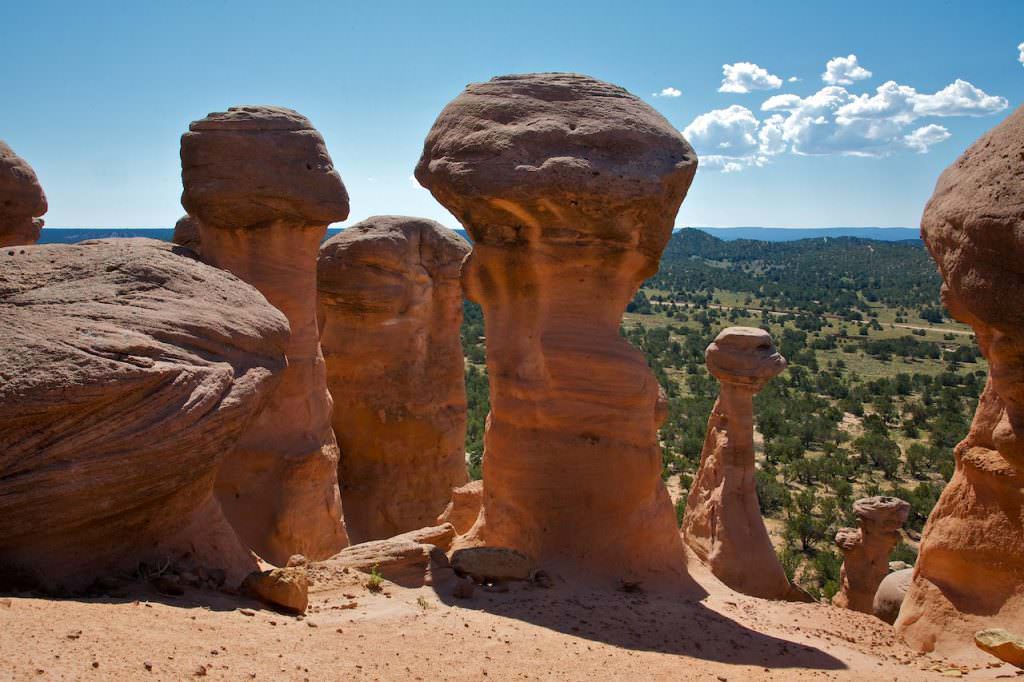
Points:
[[722, 523], [390, 310], [970, 572], [22, 200], [129, 372], [263, 189], [186, 233], [866, 550], [569, 187]]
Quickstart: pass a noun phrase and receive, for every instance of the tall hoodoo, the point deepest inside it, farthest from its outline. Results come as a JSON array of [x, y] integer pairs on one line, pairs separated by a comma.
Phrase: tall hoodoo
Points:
[[569, 187], [723, 523], [390, 310], [22, 200], [866, 550], [129, 372], [263, 188], [970, 570]]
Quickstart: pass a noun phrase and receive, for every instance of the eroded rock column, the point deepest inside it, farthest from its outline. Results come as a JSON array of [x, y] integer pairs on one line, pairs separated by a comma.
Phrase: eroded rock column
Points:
[[569, 187], [22, 200], [970, 571], [722, 523], [866, 550], [263, 188], [390, 311]]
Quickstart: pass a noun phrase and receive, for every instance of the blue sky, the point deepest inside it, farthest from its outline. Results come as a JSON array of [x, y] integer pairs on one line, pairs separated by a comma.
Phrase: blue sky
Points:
[[97, 94]]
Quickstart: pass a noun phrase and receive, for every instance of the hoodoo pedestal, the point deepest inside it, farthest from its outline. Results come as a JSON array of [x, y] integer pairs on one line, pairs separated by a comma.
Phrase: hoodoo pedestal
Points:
[[722, 523], [569, 187], [22, 200], [263, 188], [970, 571], [866, 550], [390, 310]]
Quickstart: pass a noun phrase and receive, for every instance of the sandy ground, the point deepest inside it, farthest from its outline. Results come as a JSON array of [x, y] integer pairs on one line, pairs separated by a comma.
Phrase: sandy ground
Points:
[[528, 632]]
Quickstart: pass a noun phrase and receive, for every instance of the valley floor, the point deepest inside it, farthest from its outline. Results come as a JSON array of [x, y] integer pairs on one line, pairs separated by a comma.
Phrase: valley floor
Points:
[[559, 633]]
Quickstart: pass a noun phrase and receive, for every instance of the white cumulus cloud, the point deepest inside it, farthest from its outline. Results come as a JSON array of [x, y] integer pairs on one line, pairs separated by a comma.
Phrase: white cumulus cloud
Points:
[[925, 136], [959, 98], [1020, 57], [731, 139], [668, 92], [792, 79], [844, 71], [744, 77]]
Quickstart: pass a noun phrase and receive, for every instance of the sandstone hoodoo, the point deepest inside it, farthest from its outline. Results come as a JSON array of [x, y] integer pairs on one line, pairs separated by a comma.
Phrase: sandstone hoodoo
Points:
[[129, 373], [866, 550], [569, 187], [263, 188], [722, 523], [390, 309], [970, 570], [186, 233], [22, 200]]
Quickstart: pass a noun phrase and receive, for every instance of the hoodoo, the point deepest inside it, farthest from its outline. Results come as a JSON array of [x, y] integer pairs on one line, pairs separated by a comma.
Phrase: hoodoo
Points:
[[866, 550], [722, 523], [129, 373], [569, 187], [390, 310], [263, 188], [22, 200], [970, 571]]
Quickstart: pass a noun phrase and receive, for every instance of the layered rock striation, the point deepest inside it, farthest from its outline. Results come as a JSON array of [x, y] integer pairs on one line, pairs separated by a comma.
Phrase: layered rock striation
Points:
[[390, 306], [569, 187], [263, 189], [129, 373]]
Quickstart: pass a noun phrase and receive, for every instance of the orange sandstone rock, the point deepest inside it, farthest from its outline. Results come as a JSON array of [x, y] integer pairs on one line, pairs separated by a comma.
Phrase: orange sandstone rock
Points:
[[866, 550], [22, 200], [186, 233], [722, 523], [390, 310], [129, 373], [263, 188], [569, 187], [464, 508], [970, 570]]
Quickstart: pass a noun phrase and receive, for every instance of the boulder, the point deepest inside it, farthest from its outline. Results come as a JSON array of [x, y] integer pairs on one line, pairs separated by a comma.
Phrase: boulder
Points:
[[263, 189], [390, 308], [866, 550], [722, 523], [1001, 644], [284, 588], [464, 507], [129, 374], [412, 559], [890, 594], [22, 200], [568, 186], [492, 564], [186, 233], [970, 569]]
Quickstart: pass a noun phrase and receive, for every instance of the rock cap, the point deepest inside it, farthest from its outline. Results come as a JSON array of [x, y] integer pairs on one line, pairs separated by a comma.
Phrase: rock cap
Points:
[[848, 538], [21, 195], [889, 513], [744, 355]]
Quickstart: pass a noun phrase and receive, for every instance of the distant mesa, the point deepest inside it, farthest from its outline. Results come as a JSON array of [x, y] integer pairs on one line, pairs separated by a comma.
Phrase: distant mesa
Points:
[[262, 187], [22, 200]]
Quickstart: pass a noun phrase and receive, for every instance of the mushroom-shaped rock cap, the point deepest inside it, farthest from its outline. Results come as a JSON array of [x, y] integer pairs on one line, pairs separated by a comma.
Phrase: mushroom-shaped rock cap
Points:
[[390, 243], [848, 538], [21, 196], [558, 150], [254, 164], [743, 355], [974, 227], [881, 510]]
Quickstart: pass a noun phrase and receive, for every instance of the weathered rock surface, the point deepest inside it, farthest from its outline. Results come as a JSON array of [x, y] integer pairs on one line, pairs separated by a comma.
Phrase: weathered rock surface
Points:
[[866, 550], [464, 508], [486, 564], [285, 588], [970, 570], [569, 187], [22, 200], [128, 374], [263, 188], [890, 594], [390, 308], [722, 523], [1001, 644], [411, 559], [186, 233]]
